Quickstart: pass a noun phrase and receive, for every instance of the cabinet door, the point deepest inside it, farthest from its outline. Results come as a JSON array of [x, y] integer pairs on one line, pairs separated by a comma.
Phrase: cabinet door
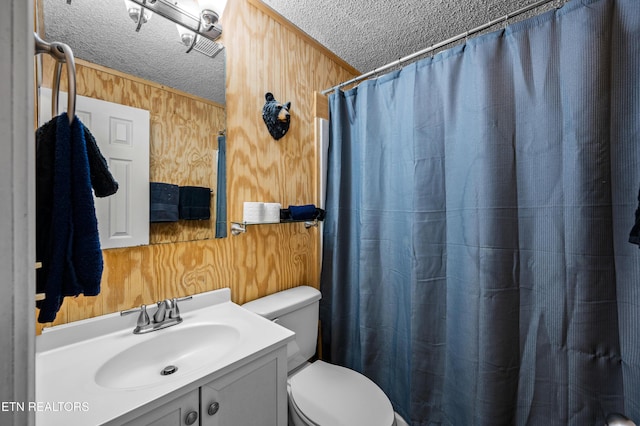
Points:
[[182, 411], [248, 397]]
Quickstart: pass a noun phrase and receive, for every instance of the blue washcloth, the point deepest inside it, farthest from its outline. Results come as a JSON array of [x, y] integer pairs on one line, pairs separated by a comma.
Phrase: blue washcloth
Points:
[[195, 203], [72, 259], [306, 212], [164, 199]]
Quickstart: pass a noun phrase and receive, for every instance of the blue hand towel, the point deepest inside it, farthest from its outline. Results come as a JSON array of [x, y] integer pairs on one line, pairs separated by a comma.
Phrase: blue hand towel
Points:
[[71, 258], [195, 203], [221, 199], [163, 204]]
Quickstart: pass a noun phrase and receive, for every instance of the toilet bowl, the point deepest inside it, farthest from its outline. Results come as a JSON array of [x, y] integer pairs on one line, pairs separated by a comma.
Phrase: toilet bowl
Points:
[[327, 394], [319, 393]]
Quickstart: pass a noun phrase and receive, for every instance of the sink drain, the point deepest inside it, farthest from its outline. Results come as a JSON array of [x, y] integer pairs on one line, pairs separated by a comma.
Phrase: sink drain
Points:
[[169, 369]]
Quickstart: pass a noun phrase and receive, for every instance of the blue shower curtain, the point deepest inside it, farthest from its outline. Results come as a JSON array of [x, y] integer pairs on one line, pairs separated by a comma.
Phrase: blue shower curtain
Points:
[[476, 263]]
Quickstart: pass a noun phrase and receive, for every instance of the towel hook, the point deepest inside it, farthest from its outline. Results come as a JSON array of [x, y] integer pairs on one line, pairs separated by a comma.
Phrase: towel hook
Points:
[[62, 53]]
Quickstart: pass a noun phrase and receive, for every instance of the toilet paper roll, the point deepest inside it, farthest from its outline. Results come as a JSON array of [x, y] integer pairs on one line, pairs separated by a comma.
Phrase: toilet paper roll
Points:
[[272, 212], [253, 212]]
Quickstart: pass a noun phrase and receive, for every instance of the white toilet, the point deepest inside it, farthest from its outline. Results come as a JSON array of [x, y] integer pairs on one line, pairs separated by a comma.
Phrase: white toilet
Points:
[[320, 394]]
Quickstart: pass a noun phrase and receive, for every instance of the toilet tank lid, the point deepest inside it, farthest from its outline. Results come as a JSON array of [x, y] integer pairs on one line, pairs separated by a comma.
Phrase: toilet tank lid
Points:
[[276, 304]]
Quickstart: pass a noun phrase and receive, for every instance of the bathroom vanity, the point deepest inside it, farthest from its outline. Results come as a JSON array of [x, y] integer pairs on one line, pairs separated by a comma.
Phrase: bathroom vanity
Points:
[[222, 365]]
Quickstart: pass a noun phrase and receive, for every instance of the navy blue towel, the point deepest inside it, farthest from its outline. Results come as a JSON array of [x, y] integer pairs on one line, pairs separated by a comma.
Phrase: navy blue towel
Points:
[[195, 203], [102, 181], [305, 212], [163, 202], [71, 256], [634, 236]]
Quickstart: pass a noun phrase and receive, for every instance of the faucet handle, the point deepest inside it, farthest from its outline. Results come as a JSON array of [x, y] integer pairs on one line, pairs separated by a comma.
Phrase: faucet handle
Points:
[[143, 318], [175, 311]]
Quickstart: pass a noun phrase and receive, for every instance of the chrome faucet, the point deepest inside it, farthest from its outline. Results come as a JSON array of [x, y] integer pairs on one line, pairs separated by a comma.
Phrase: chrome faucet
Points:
[[166, 315]]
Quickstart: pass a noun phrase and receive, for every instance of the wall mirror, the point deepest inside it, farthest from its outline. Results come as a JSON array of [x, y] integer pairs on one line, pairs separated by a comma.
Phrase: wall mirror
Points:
[[104, 34]]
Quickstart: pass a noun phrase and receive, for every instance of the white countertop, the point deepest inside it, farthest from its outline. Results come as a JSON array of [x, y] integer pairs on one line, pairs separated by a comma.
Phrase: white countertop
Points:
[[68, 357]]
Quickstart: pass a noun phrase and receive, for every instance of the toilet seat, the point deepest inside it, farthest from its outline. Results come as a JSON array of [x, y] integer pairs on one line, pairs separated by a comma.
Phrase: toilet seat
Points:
[[330, 395]]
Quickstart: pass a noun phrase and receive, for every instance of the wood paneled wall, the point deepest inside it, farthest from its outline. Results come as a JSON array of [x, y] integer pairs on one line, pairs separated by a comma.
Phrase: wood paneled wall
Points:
[[264, 54]]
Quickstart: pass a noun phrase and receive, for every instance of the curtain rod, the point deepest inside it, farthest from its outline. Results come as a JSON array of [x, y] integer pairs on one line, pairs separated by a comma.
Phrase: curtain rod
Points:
[[438, 45]]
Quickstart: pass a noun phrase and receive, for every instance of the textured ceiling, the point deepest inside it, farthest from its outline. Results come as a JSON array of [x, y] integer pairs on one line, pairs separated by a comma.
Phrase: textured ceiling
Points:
[[371, 33], [365, 33]]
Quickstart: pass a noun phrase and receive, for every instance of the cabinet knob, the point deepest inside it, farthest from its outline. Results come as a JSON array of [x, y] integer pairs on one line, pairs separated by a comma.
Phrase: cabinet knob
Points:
[[213, 408], [191, 418]]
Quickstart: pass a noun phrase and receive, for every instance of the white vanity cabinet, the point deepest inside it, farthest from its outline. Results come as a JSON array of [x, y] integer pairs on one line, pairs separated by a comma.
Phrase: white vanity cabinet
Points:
[[250, 396], [253, 394]]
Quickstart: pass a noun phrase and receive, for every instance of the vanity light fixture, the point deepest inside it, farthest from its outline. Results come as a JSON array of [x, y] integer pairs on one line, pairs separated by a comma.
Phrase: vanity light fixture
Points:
[[187, 16]]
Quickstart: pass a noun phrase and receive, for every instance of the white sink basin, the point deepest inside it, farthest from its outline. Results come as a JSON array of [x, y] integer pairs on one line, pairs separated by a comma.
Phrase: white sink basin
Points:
[[166, 354], [100, 364]]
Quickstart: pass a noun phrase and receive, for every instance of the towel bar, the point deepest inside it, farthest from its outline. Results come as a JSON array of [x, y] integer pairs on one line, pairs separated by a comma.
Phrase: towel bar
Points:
[[62, 54]]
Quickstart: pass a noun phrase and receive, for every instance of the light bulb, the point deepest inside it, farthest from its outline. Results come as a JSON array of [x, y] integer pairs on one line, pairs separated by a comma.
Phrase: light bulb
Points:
[[211, 11], [186, 35], [133, 9]]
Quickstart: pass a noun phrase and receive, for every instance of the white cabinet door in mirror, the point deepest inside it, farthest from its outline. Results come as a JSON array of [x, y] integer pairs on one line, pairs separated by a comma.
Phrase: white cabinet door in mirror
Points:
[[122, 133]]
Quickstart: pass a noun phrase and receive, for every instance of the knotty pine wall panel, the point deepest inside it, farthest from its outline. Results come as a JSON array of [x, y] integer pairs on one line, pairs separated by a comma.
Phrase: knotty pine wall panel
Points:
[[264, 54]]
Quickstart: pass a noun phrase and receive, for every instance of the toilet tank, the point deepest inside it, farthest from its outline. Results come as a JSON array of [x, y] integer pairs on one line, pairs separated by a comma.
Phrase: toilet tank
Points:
[[297, 310]]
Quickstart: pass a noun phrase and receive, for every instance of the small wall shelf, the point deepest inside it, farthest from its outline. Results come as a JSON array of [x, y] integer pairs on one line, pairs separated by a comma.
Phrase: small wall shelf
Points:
[[238, 228]]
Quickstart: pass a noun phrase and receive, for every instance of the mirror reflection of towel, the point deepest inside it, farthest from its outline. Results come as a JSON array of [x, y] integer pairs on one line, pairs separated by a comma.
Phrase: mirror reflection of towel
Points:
[[634, 236], [163, 202], [195, 203], [221, 189]]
